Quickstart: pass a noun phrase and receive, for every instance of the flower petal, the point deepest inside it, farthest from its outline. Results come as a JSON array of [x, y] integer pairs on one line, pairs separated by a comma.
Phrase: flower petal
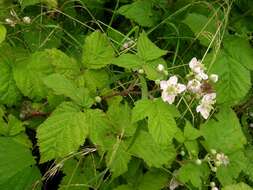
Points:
[[181, 88], [163, 84], [168, 98], [172, 80], [193, 62]]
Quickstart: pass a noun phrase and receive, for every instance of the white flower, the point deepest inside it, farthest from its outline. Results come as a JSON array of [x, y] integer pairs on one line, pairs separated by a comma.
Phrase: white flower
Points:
[[27, 20], [209, 98], [195, 65], [160, 68], [206, 103], [198, 68], [201, 75], [214, 78], [222, 158], [171, 89], [194, 86]]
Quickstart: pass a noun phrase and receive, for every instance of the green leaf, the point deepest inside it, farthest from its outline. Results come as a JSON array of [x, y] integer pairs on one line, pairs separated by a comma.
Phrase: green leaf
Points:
[[194, 174], [147, 50], [119, 116], [153, 180], [62, 63], [117, 159], [161, 123], [94, 80], [141, 12], [97, 51], [62, 86], [150, 69], [191, 133], [228, 174], [15, 159], [14, 127], [78, 172], [240, 50], [26, 3], [27, 178], [2, 33], [238, 186], [35, 68], [100, 129], [38, 66], [62, 133], [152, 153], [224, 133], [249, 164], [202, 26], [234, 78], [128, 61], [9, 93]]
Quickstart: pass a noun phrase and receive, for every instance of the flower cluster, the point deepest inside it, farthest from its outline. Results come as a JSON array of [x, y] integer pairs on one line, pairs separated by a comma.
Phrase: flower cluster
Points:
[[16, 20], [199, 85], [217, 159]]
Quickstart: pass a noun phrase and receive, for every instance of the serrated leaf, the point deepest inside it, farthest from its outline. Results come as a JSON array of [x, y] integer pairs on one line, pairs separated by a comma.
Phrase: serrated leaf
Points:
[[234, 79], [35, 68], [117, 159], [62, 133], [141, 12], [14, 127], [128, 61], [161, 123], [63, 86], [147, 50], [2, 33], [16, 158], [240, 50], [38, 66], [9, 92], [249, 164], [193, 174], [119, 116], [238, 186], [152, 153], [27, 178], [224, 134], [153, 180], [94, 80], [202, 26], [100, 129], [97, 51], [191, 133], [150, 69], [76, 172]]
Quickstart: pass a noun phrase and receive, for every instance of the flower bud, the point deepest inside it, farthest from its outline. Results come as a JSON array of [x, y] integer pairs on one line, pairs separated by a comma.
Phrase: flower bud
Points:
[[214, 78], [212, 184], [98, 99], [160, 68], [198, 162], [182, 153], [217, 163], [141, 71], [214, 169], [27, 20], [213, 151]]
